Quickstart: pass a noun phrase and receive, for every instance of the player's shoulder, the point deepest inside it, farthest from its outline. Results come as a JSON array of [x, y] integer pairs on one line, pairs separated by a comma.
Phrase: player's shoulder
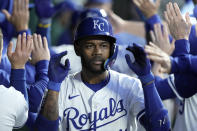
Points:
[[123, 77], [11, 91]]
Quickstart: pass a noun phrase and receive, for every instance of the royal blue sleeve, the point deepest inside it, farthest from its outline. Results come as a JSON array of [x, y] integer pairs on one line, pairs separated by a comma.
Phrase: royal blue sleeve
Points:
[[4, 78], [149, 23], [44, 28], [163, 88], [182, 47], [36, 91], [156, 115], [18, 81], [42, 124], [28, 32], [185, 84]]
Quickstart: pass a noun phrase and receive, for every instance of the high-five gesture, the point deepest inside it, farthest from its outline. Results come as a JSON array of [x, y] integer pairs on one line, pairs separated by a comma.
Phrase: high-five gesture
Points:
[[179, 28], [20, 56], [40, 50], [20, 15], [148, 7], [159, 56], [161, 39]]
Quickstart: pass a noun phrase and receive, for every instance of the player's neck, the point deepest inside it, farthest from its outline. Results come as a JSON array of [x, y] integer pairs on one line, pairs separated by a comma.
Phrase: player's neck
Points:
[[93, 78]]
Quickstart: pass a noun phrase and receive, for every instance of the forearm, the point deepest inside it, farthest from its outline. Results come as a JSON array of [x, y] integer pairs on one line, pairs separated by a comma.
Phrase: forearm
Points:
[[37, 90], [150, 22], [4, 78], [50, 107], [48, 118], [135, 28], [156, 115], [42, 70], [163, 88], [44, 29], [18, 81]]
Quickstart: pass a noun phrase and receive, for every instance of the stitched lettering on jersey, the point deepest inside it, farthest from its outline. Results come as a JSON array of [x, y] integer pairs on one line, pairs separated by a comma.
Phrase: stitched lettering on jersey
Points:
[[114, 112]]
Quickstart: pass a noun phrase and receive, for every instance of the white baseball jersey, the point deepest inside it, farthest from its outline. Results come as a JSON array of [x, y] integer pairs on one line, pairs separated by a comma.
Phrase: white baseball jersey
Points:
[[13, 109], [114, 107], [186, 117]]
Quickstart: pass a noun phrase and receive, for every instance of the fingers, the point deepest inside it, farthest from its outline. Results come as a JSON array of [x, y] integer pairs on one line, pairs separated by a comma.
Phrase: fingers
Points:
[[177, 10], [40, 41], [152, 36], [35, 41], [29, 43], [24, 41], [62, 54], [18, 43], [187, 17], [165, 31], [9, 50], [166, 17], [158, 32], [158, 3], [172, 10], [7, 14], [45, 43]]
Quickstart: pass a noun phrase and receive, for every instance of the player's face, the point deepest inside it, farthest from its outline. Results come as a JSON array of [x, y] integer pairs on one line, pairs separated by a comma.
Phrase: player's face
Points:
[[94, 52]]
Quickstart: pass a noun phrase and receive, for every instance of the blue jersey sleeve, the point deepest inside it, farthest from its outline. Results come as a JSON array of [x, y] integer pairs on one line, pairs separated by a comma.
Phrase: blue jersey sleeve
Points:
[[149, 23], [4, 78], [156, 115], [163, 88], [18, 81], [42, 124], [36, 91], [44, 29]]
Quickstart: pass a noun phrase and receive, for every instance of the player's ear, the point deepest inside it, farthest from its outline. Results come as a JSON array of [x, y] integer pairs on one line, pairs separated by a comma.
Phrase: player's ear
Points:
[[77, 48]]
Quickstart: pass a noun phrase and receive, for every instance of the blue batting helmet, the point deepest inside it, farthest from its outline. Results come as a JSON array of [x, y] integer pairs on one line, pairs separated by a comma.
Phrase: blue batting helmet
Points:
[[97, 26]]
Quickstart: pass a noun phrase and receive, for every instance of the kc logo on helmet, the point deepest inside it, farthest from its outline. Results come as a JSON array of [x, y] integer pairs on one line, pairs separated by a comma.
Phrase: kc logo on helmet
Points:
[[98, 25]]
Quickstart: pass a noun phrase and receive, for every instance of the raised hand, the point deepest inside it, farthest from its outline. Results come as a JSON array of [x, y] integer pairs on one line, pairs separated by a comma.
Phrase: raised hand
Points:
[[57, 72], [159, 56], [40, 50], [161, 39], [179, 28], [20, 15], [148, 7], [141, 66], [20, 56]]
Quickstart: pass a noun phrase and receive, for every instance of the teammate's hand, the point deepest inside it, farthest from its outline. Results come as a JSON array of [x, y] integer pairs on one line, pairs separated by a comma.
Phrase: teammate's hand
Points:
[[40, 50], [57, 72], [141, 66], [148, 7], [159, 56], [24, 46], [179, 28], [117, 22], [161, 39], [20, 15]]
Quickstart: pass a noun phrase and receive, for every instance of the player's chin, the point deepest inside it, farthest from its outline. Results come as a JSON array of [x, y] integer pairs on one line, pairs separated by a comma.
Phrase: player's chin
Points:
[[97, 68]]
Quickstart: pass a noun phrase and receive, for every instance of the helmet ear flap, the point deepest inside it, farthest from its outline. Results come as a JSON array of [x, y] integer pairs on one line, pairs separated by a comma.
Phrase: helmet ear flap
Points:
[[77, 49]]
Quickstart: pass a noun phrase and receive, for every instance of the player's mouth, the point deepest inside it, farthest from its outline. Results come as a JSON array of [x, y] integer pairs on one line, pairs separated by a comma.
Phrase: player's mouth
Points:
[[97, 62]]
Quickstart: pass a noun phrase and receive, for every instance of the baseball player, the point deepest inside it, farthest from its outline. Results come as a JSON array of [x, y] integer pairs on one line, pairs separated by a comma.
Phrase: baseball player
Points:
[[98, 98], [14, 100]]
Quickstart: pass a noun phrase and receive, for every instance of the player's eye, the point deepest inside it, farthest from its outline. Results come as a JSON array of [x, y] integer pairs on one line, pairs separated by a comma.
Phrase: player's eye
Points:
[[104, 45], [89, 46]]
